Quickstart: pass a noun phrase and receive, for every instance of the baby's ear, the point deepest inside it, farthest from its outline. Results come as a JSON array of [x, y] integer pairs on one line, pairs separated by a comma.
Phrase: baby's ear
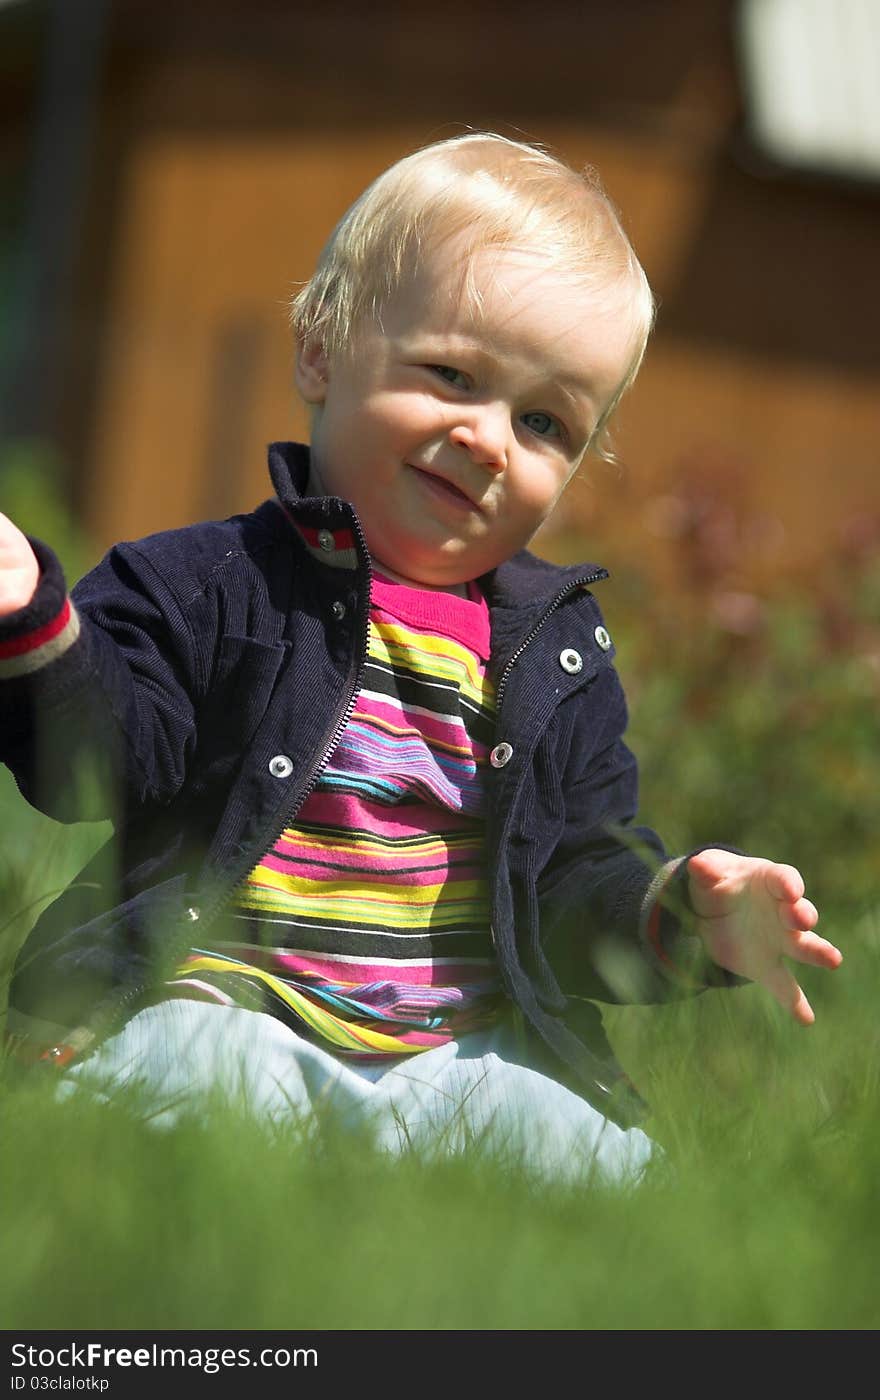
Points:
[[312, 371]]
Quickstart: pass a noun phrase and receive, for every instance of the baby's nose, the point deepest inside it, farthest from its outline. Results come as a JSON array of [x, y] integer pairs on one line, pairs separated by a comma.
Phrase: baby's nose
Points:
[[484, 434]]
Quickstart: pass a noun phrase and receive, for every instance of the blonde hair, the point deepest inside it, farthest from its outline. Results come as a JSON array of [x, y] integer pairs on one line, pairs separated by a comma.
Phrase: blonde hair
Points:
[[489, 192]]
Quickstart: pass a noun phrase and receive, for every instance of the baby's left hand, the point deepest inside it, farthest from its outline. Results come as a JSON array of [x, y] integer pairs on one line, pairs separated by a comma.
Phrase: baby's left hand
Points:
[[751, 914]]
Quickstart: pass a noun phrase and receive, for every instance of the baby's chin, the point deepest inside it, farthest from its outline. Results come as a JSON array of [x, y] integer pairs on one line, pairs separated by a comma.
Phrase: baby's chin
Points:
[[380, 567]]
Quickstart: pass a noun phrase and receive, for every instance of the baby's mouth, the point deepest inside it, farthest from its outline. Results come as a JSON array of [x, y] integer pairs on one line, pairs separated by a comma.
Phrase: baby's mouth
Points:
[[445, 488]]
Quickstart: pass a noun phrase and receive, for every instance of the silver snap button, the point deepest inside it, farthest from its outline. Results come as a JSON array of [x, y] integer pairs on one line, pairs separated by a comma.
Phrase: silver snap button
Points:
[[280, 766], [193, 914], [338, 610], [325, 540], [571, 661], [602, 638], [500, 755]]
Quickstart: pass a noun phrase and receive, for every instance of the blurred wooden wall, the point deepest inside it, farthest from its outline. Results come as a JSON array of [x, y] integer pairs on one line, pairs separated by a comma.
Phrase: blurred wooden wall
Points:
[[234, 136]]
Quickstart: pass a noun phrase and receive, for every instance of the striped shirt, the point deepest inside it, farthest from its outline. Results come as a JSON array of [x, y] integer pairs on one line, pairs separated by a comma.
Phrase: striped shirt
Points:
[[366, 925]]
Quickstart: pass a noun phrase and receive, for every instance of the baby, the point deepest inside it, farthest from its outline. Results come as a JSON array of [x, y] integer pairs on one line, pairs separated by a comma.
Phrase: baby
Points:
[[375, 818]]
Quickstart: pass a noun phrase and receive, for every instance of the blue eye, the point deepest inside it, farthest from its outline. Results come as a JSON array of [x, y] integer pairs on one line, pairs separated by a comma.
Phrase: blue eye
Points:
[[542, 424], [452, 376]]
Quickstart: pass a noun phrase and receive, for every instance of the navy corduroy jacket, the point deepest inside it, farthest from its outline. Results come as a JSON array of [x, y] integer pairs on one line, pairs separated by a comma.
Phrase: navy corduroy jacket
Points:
[[209, 671]]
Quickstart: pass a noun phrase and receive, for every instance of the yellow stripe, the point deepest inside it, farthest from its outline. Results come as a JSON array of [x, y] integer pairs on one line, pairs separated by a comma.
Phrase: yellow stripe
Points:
[[331, 1027], [353, 913], [448, 659], [300, 887]]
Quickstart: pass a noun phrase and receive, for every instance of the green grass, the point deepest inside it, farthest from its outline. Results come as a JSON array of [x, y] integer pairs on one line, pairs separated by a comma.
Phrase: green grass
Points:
[[109, 1224]]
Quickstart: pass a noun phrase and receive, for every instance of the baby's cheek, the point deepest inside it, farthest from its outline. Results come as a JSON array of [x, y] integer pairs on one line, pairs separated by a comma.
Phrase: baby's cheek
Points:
[[540, 492]]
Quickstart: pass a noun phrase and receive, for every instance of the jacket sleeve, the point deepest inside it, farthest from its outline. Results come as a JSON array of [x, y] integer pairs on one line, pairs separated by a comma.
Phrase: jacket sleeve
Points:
[[97, 687], [615, 915]]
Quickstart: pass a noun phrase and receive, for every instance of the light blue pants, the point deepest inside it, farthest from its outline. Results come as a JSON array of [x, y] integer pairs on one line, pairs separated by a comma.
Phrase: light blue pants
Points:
[[469, 1096]]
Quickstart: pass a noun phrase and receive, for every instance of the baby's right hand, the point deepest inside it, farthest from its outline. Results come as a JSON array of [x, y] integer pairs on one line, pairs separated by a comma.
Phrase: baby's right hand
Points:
[[19, 570]]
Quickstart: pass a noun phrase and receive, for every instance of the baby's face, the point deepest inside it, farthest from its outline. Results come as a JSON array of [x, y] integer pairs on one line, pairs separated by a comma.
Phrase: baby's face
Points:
[[454, 432]]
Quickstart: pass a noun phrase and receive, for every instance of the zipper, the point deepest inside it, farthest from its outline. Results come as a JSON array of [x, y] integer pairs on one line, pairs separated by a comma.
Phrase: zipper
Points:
[[245, 867], [594, 577], [114, 1015], [570, 588]]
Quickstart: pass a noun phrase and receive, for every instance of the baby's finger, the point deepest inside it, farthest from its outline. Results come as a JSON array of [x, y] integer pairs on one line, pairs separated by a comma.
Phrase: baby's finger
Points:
[[806, 947], [784, 882], [784, 988], [711, 866], [801, 914]]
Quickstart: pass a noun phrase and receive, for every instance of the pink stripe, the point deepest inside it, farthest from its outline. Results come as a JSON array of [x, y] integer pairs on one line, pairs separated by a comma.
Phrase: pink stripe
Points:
[[466, 620], [335, 881], [347, 811], [295, 846]]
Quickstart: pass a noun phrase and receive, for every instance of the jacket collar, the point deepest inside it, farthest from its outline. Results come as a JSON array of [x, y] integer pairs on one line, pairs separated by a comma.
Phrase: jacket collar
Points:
[[289, 470]]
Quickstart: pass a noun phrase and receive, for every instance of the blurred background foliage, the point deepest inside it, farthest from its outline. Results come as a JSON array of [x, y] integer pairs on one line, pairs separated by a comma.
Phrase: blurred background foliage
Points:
[[34, 493], [753, 690]]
